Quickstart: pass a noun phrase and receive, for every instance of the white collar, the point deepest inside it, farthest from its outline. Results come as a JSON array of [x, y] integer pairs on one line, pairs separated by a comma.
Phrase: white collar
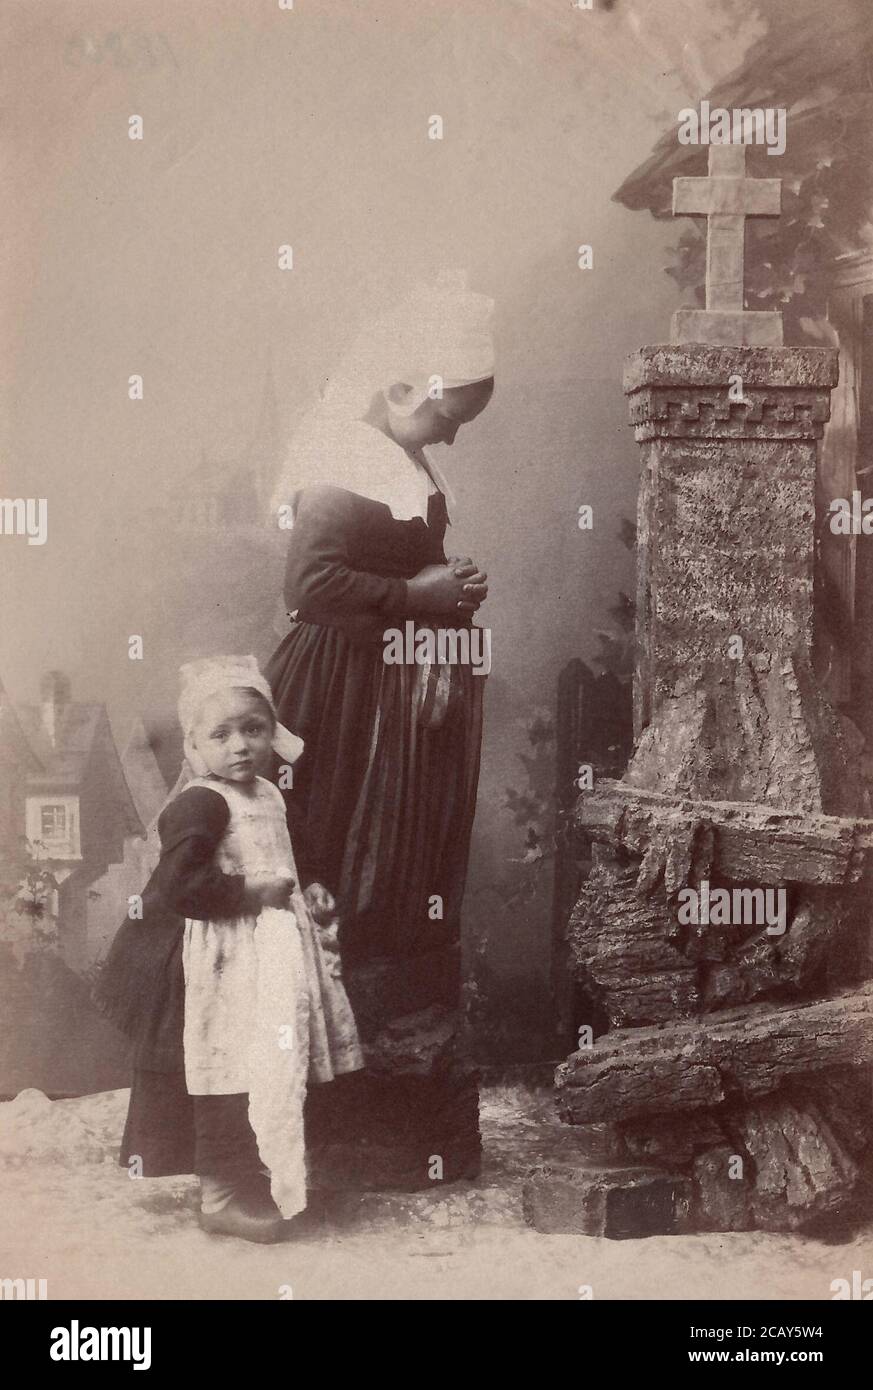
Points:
[[371, 465], [436, 480], [353, 455]]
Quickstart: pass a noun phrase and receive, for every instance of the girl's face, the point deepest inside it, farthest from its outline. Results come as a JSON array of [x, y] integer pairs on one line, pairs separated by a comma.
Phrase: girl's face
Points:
[[234, 735], [436, 421]]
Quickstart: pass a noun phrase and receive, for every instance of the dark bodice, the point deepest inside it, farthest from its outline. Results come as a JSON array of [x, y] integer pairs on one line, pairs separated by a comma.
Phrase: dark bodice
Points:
[[349, 559], [387, 779]]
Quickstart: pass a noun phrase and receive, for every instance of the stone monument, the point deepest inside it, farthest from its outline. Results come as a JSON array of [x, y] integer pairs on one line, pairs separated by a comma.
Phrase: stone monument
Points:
[[731, 1090]]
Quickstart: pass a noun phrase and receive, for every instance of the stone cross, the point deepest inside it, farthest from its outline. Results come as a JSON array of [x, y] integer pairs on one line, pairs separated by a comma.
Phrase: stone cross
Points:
[[726, 198]]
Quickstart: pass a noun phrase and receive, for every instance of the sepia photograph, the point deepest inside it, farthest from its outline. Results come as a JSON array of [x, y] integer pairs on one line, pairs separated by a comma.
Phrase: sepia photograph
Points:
[[436, 666]]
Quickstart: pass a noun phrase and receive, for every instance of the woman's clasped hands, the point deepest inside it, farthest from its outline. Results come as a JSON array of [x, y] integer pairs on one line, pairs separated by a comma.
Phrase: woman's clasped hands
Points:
[[457, 586]]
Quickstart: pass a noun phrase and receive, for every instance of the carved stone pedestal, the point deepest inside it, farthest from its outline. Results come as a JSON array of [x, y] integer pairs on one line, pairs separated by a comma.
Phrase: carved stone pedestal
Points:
[[740, 1061]]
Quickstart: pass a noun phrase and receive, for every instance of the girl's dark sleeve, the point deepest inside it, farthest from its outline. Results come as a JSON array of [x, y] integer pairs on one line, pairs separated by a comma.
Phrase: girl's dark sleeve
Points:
[[187, 879], [320, 576]]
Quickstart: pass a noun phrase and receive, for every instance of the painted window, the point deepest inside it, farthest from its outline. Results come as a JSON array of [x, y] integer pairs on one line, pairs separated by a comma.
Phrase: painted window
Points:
[[54, 822]]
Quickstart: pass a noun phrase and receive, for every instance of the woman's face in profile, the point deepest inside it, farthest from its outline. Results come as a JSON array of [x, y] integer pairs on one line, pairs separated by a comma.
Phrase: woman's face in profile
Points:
[[436, 421]]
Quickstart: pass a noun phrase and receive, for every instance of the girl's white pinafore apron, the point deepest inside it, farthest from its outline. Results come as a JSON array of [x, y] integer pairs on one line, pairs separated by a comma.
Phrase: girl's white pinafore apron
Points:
[[264, 1013]]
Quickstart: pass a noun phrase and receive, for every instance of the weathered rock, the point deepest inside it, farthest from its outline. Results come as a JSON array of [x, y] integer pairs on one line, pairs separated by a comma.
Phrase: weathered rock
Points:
[[671, 1140], [801, 1169], [624, 950], [741, 1053], [845, 1097], [421, 1044], [721, 1202], [641, 966], [743, 776], [571, 1199], [789, 1160], [602, 1143], [736, 840], [749, 728], [821, 950]]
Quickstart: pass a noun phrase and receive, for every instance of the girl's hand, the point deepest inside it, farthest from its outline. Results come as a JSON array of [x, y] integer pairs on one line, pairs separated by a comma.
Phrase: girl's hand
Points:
[[321, 903], [441, 589], [322, 906], [268, 890]]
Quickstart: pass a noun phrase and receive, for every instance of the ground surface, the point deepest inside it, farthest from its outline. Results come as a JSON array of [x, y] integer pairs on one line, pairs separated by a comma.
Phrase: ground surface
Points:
[[70, 1215]]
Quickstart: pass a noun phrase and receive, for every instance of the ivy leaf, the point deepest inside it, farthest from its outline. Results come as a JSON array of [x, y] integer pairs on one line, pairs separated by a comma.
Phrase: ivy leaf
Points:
[[523, 805], [624, 612], [627, 533]]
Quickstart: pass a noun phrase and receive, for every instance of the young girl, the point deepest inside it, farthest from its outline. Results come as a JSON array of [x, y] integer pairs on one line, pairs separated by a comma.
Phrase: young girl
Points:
[[224, 985]]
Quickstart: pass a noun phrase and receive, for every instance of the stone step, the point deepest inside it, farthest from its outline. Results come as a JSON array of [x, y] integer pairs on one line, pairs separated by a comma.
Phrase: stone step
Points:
[[568, 1198]]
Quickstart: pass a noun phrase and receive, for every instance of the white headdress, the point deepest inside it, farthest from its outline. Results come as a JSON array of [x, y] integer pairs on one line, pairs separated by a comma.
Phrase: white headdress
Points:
[[200, 679], [204, 678], [437, 338]]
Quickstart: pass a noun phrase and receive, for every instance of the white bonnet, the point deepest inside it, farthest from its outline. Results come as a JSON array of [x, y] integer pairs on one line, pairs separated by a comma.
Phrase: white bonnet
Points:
[[206, 677]]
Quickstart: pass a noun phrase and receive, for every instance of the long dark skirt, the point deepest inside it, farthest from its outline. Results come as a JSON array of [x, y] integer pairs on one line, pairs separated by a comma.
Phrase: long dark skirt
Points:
[[388, 800], [168, 1131]]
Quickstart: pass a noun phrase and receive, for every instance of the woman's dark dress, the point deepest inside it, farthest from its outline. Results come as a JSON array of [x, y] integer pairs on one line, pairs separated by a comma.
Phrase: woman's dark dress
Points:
[[386, 786], [387, 797], [387, 801]]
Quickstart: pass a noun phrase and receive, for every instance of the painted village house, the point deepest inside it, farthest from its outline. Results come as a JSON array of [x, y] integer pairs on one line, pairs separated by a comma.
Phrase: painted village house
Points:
[[77, 808], [75, 804], [80, 802]]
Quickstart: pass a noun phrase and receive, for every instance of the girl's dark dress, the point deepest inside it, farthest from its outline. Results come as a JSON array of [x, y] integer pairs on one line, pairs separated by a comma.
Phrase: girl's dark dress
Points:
[[387, 781], [142, 990]]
